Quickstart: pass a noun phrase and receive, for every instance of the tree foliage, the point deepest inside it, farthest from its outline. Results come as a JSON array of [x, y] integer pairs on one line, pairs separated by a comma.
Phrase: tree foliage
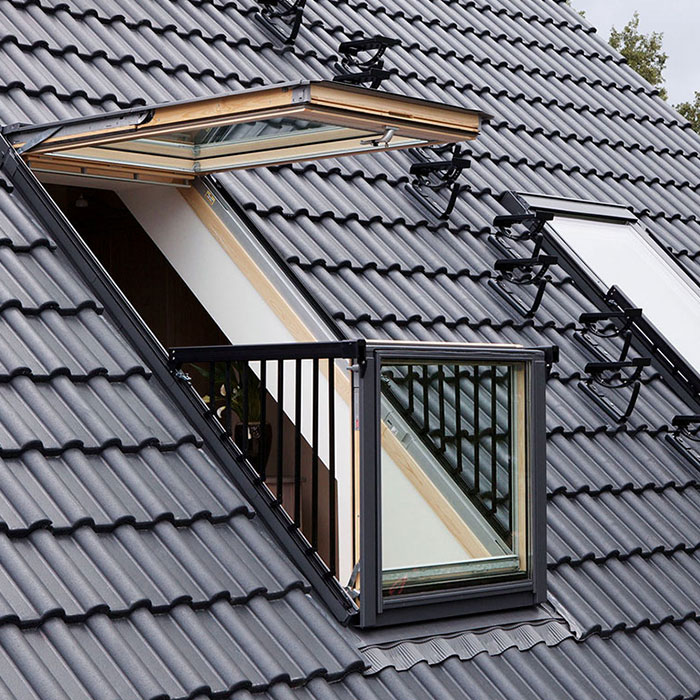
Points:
[[581, 12], [691, 111], [644, 52]]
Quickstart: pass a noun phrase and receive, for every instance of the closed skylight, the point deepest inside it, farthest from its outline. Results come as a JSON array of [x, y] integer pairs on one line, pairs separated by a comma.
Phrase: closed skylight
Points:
[[621, 254]]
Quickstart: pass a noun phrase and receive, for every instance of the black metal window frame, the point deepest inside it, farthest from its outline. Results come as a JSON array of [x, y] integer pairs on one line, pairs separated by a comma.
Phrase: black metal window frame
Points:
[[375, 609], [646, 339]]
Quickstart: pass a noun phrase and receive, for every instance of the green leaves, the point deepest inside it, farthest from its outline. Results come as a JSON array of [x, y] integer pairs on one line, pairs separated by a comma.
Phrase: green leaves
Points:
[[691, 111], [644, 52]]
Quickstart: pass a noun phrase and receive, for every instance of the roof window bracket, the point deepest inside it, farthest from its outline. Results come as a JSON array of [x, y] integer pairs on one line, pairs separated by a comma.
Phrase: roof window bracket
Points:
[[438, 176], [607, 405], [282, 17], [615, 375], [533, 221], [603, 324], [673, 365], [373, 76], [687, 426], [522, 271], [611, 375], [526, 271], [356, 70]]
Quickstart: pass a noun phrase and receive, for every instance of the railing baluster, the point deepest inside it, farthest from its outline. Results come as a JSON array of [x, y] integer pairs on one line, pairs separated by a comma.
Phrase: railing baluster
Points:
[[458, 419], [441, 405], [243, 372], [228, 389], [280, 430], [297, 444], [262, 457], [236, 390], [494, 431], [477, 437], [509, 441], [426, 411], [212, 388], [331, 466], [314, 454], [410, 390]]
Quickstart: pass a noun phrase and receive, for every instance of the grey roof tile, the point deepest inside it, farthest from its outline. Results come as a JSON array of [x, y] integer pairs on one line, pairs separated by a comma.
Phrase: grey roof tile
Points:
[[625, 666], [571, 119], [47, 344], [178, 654], [607, 525], [56, 415], [603, 462], [85, 572], [112, 487], [627, 593]]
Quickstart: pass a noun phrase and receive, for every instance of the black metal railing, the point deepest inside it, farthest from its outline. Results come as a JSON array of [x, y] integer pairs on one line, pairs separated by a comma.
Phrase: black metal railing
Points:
[[270, 402], [463, 415]]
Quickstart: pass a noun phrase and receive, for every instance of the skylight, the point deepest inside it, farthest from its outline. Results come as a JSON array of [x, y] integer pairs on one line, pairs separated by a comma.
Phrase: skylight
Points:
[[269, 125], [617, 261], [621, 254]]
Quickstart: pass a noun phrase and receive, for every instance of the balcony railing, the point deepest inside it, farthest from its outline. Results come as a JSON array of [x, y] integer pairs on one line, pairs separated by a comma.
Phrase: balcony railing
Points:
[[278, 405], [412, 474]]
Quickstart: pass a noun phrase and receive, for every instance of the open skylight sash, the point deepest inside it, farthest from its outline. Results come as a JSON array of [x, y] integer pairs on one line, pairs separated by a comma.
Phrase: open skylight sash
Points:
[[263, 126]]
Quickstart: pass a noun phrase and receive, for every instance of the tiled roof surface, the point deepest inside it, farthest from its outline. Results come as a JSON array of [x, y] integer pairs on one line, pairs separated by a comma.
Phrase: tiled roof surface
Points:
[[131, 567]]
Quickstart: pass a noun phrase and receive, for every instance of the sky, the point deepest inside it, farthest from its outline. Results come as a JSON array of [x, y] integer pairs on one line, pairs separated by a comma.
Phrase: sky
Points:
[[679, 20]]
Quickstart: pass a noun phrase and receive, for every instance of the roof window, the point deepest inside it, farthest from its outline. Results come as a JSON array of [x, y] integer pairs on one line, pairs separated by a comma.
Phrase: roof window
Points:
[[441, 510], [613, 255], [173, 143]]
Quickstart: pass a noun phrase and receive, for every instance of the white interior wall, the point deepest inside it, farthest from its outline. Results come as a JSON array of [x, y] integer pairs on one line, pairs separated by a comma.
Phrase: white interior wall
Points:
[[412, 531]]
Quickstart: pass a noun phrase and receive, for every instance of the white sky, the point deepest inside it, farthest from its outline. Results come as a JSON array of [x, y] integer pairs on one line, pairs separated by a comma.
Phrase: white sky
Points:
[[679, 20]]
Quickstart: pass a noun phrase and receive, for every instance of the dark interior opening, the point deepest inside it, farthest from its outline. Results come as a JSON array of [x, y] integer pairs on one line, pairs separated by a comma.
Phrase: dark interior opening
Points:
[[177, 318], [138, 267]]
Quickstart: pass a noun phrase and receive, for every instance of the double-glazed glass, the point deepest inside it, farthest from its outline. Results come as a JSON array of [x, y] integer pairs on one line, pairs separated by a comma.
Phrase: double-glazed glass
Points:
[[454, 474]]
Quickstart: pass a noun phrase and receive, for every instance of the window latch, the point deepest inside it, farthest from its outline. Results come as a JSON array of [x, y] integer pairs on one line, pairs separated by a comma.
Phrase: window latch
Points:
[[383, 140]]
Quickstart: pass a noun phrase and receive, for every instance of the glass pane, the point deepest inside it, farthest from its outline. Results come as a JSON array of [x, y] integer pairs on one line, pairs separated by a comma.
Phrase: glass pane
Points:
[[246, 132], [453, 474], [619, 255]]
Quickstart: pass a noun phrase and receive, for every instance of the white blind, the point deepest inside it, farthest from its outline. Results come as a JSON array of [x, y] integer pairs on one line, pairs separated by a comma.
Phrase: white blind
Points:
[[621, 255]]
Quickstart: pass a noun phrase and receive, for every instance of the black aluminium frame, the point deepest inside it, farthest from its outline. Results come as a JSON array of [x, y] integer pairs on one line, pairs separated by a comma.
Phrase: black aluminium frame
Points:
[[375, 610], [646, 339]]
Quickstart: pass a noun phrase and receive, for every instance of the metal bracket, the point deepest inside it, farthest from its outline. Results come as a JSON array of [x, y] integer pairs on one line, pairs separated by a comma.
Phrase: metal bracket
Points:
[[610, 374], [683, 427], [593, 322], [369, 69], [351, 50], [435, 176], [534, 222], [374, 76], [282, 18], [39, 138], [523, 271], [182, 376]]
